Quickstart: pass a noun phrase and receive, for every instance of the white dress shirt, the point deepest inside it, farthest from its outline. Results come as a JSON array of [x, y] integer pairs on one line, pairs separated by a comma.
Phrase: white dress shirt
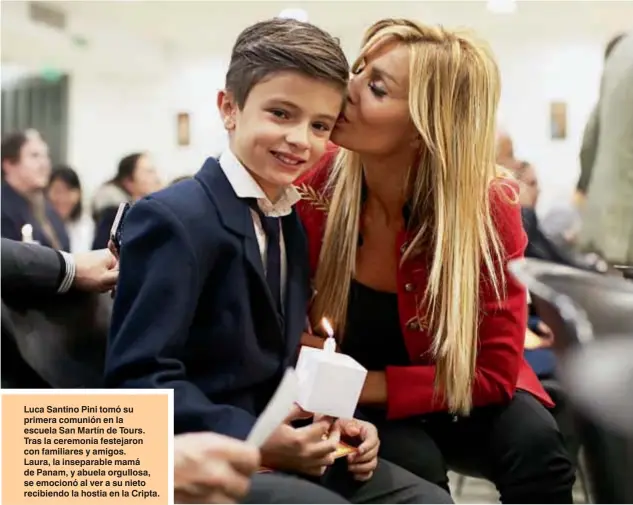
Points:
[[81, 233], [245, 186]]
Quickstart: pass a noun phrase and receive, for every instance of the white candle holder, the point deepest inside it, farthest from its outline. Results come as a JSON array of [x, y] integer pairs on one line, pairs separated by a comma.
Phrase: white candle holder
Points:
[[330, 383]]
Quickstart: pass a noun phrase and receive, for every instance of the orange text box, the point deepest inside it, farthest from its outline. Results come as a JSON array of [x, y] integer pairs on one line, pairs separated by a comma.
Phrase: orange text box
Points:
[[85, 448]]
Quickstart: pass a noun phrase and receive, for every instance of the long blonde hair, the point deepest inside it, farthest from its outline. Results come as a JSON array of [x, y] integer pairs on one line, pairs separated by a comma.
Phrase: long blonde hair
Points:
[[453, 94]]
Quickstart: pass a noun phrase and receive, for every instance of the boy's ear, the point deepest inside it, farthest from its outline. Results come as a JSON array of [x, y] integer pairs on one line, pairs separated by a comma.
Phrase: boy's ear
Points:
[[227, 108]]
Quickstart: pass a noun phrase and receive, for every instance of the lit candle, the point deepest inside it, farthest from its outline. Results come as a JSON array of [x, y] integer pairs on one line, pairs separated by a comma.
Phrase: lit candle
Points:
[[27, 233], [330, 343]]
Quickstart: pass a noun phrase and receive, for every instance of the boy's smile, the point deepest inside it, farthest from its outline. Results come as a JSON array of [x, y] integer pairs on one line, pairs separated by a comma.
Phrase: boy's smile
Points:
[[288, 159]]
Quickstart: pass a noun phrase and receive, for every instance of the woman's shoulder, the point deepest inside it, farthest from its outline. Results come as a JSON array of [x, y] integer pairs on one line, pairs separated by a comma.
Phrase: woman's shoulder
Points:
[[505, 210], [504, 192]]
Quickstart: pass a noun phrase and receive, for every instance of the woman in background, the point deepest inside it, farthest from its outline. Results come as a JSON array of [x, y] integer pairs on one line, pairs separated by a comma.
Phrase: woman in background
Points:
[[136, 178], [26, 213], [64, 193]]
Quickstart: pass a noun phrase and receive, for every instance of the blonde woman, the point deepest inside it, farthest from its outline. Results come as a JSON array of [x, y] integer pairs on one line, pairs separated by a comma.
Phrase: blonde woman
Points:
[[410, 228]]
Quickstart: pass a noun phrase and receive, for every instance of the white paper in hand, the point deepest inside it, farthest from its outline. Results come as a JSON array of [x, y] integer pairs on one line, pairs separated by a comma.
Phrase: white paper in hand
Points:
[[277, 409]]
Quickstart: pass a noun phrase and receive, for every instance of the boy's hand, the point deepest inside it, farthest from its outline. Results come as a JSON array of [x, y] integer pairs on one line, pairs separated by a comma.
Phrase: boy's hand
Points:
[[308, 450], [364, 460]]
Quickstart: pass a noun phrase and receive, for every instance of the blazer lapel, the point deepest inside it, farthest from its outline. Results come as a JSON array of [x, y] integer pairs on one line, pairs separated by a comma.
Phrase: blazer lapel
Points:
[[236, 216]]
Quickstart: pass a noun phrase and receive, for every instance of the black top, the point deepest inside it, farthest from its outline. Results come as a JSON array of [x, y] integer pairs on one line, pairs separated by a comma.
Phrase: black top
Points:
[[373, 336]]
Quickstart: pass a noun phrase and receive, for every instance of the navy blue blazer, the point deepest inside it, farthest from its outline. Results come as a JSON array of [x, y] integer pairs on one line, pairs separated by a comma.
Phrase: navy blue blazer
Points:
[[193, 311], [17, 211]]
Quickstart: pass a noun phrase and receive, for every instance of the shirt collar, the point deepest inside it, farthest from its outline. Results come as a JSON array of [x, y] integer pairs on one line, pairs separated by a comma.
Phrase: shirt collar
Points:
[[245, 186]]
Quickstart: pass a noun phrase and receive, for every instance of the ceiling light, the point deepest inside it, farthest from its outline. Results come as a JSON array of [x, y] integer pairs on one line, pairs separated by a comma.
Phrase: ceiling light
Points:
[[502, 6], [298, 14]]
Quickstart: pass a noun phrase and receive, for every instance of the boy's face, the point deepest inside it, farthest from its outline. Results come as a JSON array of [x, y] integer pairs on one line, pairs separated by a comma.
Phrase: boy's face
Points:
[[283, 128]]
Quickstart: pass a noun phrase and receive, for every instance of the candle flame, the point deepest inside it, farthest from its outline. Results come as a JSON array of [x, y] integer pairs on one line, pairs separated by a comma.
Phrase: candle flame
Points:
[[325, 323]]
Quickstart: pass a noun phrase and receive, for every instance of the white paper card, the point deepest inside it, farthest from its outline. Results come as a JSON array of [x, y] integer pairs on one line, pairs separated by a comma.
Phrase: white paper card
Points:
[[277, 409]]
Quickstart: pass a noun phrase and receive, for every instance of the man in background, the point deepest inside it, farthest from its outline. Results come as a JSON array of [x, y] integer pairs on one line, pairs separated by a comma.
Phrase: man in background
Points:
[[608, 209], [589, 146]]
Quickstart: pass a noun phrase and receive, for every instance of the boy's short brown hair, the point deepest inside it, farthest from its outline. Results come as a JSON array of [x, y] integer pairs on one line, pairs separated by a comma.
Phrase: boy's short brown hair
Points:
[[282, 45]]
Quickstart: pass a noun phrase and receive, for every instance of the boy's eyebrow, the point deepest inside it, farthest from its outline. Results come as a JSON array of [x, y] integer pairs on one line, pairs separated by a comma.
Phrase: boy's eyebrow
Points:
[[295, 107]]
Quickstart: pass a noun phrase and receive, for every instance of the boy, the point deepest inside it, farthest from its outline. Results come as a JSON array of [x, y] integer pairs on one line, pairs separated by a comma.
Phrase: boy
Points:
[[214, 276]]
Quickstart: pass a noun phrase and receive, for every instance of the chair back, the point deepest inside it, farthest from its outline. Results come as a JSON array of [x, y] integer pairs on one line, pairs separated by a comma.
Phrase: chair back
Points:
[[599, 381], [578, 305], [591, 316]]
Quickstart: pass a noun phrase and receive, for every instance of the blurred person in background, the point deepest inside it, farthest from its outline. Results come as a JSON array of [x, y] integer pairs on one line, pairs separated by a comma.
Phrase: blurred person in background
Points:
[[540, 245], [136, 178], [64, 193], [504, 148], [608, 208], [590, 137], [563, 223], [26, 213]]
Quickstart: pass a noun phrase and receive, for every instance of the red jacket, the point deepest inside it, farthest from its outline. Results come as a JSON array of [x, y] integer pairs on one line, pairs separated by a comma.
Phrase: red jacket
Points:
[[501, 367]]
